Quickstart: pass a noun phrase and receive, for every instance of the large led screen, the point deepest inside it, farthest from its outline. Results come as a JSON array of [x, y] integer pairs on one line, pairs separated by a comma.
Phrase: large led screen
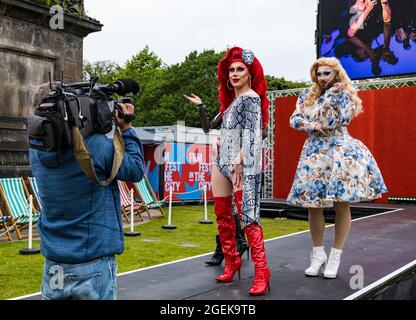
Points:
[[371, 38]]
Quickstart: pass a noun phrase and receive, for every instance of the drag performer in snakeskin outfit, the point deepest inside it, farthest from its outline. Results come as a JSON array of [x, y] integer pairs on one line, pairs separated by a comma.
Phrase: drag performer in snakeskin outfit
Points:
[[242, 245], [244, 110]]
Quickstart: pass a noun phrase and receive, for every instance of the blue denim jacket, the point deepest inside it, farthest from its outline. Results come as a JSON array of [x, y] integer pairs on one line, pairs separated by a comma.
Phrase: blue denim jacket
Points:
[[81, 220]]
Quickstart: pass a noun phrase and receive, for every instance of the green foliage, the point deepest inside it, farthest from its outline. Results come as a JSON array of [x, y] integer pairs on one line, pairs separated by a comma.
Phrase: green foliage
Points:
[[48, 3], [75, 7], [106, 70], [197, 74], [161, 100], [282, 84], [149, 71]]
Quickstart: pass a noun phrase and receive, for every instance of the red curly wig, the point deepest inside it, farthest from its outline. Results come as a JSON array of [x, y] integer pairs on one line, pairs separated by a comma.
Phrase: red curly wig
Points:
[[258, 82]]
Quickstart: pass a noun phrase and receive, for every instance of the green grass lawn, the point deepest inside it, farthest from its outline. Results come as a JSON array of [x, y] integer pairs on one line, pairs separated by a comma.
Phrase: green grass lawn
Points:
[[21, 275]]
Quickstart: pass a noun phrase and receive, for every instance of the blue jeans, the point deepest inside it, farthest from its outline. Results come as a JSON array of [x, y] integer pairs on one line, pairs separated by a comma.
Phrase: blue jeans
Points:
[[94, 280]]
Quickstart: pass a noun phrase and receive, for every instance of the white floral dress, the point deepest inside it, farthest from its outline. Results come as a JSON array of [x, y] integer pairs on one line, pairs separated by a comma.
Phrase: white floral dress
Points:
[[333, 167]]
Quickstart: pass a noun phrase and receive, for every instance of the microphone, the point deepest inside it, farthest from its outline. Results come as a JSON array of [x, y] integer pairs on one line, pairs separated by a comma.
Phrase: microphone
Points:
[[126, 86], [123, 87]]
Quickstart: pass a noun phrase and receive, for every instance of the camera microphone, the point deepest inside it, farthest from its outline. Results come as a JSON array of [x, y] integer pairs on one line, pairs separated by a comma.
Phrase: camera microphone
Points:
[[123, 87], [126, 86]]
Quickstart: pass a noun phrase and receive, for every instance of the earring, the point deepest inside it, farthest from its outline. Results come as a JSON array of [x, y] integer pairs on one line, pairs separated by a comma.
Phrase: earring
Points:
[[228, 86]]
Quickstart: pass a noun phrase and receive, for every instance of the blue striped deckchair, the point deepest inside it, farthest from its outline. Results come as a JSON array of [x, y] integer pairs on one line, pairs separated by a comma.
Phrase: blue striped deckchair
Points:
[[3, 225], [14, 195], [147, 195], [35, 191]]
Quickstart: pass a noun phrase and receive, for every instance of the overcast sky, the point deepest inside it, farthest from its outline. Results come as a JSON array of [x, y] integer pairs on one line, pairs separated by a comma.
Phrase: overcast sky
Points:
[[279, 32]]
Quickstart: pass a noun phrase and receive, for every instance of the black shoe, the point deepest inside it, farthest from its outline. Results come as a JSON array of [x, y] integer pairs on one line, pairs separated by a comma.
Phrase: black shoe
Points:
[[218, 256], [390, 57], [242, 245], [375, 68], [375, 63]]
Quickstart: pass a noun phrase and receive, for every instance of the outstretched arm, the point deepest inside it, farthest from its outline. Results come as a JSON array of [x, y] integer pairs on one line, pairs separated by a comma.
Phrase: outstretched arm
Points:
[[205, 125]]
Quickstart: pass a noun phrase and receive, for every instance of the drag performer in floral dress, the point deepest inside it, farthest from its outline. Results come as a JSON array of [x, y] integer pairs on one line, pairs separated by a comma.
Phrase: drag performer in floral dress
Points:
[[334, 169]]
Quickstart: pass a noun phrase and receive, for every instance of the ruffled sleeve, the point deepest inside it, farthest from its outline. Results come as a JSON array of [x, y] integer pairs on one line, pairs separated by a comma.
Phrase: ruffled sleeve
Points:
[[299, 120]]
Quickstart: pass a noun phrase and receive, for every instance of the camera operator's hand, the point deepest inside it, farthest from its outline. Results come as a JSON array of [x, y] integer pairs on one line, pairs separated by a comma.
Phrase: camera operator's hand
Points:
[[127, 108]]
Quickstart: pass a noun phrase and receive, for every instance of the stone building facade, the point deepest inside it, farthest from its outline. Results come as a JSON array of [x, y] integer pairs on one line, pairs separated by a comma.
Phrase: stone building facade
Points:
[[29, 50]]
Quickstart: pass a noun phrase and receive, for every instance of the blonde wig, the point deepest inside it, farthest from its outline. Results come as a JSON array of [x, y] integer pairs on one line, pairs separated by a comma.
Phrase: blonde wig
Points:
[[316, 90]]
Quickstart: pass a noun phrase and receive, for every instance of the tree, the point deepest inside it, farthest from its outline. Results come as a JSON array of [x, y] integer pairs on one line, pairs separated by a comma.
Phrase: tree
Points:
[[160, 101], [282, 84], [105, 70], [197, 74], [149, 71]]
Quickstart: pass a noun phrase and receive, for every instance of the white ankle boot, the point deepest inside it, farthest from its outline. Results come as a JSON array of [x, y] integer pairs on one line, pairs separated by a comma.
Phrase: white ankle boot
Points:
[[331, 269], [318, 259]]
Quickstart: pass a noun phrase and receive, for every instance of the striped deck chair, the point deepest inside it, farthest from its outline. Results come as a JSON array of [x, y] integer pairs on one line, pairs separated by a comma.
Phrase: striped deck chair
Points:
[[35, 192], [125, 202], [14, 195], [3, 226], [147, 195]]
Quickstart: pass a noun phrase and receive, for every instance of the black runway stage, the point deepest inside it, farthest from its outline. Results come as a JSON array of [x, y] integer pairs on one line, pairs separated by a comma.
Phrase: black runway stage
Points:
[[382, 246]]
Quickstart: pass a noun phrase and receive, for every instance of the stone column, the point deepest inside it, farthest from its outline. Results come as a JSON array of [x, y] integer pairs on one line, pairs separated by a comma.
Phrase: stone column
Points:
[[29, 51]]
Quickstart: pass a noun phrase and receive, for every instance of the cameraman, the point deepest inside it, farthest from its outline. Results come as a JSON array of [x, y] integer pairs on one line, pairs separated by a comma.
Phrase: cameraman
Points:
[[81, 225]]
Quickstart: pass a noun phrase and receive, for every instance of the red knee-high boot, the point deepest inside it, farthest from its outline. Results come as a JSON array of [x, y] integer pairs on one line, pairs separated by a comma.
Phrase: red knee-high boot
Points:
[[258, 255], [226, 229]]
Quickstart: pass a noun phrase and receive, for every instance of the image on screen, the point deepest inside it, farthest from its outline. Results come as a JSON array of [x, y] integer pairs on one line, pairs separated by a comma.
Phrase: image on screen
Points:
[[371, 38]]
